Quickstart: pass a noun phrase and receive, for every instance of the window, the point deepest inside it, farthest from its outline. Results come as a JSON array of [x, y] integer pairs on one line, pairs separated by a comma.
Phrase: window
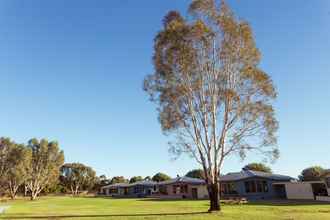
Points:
[[254, 186], [250, 186], [228, 188], [184, 189], [113, 191], [265, 186], [163, 189], [174, 189], [247, 187], [259, 186]]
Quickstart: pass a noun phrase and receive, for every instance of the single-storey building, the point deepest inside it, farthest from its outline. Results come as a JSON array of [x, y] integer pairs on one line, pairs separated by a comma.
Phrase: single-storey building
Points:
[[180, 187], [183, 187], [308, 190], [137, 189], [117, 189], [252, 185], [142, 188]]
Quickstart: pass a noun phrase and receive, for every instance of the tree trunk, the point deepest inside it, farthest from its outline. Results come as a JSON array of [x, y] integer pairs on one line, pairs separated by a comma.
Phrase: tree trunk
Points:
[[25, 190], [72, 191], [12, 194], [33, 196], [13, 191], [214, 197]]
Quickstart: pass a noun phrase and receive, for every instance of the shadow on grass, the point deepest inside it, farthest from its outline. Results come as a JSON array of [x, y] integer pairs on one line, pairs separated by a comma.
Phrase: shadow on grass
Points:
[[149, 199], [21, 216], [286, 203], [167, 199]]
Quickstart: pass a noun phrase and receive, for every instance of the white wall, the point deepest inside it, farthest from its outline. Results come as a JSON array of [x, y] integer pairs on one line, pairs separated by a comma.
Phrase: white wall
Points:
[[299, 191]]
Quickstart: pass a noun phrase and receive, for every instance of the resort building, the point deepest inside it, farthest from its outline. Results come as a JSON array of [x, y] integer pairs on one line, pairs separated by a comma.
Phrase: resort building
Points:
[[183, 187], [253, 185], [180, 187], [308, 190], [137, 189]]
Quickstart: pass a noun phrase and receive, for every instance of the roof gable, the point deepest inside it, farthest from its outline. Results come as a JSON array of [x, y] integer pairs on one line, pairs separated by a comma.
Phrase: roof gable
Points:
[[183, 179], [245, 174]]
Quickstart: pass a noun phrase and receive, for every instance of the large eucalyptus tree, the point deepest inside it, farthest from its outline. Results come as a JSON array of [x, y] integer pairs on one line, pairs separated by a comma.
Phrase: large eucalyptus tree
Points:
[[213, 99]]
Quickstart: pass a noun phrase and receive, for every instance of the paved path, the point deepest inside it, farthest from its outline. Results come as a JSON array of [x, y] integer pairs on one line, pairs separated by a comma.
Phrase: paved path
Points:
[[3, 208]]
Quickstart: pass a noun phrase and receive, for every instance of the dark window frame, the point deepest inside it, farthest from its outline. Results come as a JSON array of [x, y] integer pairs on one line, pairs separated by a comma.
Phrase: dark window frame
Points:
[[174, 189], [256, 186]]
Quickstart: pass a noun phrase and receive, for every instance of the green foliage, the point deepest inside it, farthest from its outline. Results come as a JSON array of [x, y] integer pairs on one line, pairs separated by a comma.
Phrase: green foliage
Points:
[[212, 97], [135, 179], [14, 162], [46, 161], [258, 167], [103, 180], [197, 173], [148, 178], [313, 173], [5, 146], [118, 179], [77, 177], [159, 177]]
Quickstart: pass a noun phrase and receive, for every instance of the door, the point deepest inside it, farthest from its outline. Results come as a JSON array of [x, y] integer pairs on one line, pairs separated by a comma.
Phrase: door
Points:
[[194, 193], [319, 189]]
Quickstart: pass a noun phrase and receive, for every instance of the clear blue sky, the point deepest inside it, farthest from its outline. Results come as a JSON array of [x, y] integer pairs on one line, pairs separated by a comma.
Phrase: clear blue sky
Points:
[[72, 71]]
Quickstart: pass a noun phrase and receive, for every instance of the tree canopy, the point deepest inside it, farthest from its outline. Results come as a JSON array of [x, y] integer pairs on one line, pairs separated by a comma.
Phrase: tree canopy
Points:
[[14, 162], [196, 173], [47, 158], [118, 179], [211, 94], [77, 176], [159, 177], [314, 173], [258, 167], [135, 179]]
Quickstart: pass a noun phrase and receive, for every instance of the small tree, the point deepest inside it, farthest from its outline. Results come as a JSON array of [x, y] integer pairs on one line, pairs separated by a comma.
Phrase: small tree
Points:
[[212, 98], [135, 179], [258, 167], [159, 177], [46, 161], [313, 173], [118, 179], [77, 176], [197, 173]]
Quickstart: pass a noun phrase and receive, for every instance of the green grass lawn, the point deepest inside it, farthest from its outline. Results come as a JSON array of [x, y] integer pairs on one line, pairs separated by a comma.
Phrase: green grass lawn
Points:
[[109, 208]]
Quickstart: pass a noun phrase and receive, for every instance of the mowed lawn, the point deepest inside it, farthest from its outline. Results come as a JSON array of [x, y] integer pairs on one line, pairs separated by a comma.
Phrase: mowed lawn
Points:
[[109, 208]]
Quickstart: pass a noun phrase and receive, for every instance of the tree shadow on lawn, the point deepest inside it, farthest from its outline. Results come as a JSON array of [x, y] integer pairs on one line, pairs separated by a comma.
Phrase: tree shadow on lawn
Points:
[[169, 199], [21, 216], [287, 203]]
